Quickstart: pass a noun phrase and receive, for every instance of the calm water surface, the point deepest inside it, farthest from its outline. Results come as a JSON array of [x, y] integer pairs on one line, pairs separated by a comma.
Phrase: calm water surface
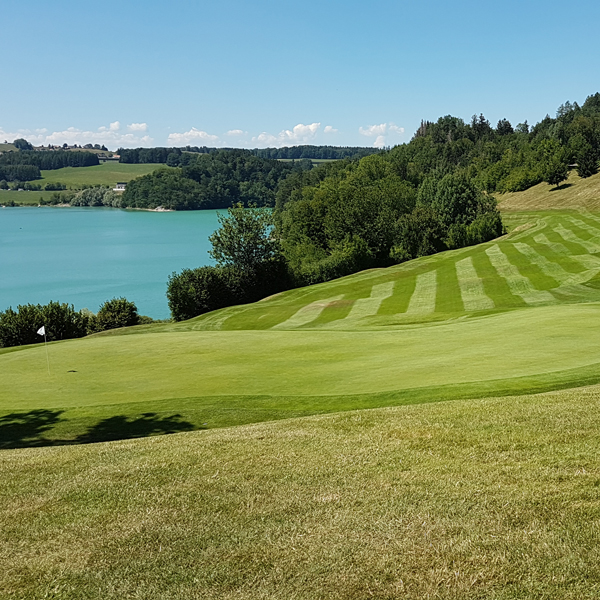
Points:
[[85, 256]]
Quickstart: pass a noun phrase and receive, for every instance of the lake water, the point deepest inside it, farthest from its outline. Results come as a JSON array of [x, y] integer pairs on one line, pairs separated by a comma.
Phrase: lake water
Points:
[[85, 256]]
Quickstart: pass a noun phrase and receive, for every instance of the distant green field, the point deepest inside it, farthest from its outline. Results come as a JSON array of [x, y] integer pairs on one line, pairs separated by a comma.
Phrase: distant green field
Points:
[[107, 173], [23, 198]]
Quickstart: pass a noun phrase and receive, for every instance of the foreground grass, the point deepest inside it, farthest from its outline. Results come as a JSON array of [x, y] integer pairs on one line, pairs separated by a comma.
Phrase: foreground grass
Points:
[[494, 498]]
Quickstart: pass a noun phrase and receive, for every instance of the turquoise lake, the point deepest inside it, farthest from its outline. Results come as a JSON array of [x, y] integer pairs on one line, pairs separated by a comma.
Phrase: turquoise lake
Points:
[[85, 256]]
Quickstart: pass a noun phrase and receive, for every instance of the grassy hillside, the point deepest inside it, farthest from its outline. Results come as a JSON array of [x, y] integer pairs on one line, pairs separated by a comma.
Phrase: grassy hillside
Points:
[[573, 193], [494, 499], [107, 173]]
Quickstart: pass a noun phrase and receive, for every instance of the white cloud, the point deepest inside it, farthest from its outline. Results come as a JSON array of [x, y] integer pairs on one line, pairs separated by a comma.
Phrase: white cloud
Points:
[[379, 141], [138, 127], [110, 136], [300, 134], [373, 130], [381, 132], [193, 136], [236, 132], [330, 129]]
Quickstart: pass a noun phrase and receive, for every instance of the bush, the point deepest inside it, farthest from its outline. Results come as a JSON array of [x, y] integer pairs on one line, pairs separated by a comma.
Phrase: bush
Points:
[[61, 321], [196, 291], [115, 313]]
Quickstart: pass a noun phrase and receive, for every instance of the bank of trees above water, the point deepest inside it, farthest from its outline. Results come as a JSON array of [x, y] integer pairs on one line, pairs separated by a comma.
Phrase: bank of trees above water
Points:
[[175, 157], [216, 180]]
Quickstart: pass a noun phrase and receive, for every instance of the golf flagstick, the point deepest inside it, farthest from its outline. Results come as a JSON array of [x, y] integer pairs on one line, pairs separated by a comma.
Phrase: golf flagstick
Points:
[[42, 331]]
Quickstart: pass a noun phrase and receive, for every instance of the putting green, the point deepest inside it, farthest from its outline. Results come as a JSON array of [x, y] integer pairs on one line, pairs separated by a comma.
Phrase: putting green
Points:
[[146, 367]]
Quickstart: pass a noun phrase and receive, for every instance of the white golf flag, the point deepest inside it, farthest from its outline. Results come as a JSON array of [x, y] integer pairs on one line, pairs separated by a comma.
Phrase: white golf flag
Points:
[[41, 330]]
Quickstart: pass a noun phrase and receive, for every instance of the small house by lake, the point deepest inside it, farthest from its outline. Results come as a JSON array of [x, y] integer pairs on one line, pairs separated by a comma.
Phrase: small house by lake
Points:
[[120, 187]]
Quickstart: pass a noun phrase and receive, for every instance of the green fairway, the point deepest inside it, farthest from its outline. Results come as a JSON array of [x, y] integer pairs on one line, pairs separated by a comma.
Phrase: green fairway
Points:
[[493, 495], [494, 499], [550, 258]]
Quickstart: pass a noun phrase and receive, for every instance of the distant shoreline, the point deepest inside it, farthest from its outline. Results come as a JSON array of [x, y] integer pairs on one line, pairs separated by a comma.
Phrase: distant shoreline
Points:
[[157, 209]]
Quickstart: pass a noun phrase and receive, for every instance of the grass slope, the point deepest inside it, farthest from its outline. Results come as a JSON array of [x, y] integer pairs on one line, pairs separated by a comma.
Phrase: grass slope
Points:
[[573, 193], [75, 178], [494, 499], [107, 173]]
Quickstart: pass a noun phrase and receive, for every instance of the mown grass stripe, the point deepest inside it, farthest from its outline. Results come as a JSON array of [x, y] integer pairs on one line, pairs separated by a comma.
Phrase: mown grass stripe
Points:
[[537, 277], [365, 307], [307, 314], [422, 300], [553, 269], [448, 298], [518, 284], [495, 287], [585, 234], [590, 216], [471, 287], [570, 236], [555, 247], [399, 300]]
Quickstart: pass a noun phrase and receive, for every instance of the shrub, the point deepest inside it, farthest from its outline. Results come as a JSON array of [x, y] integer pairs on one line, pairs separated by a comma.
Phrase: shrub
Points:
[[61, 322], [115, 313]]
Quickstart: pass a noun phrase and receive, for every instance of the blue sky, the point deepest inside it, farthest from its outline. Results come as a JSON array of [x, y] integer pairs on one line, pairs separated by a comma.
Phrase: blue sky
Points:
[[274, 72]]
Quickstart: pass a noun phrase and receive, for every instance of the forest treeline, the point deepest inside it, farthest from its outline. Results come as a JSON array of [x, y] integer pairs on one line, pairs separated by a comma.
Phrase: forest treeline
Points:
[[431, 194], [216, 180], [176, 157], [25, 165]]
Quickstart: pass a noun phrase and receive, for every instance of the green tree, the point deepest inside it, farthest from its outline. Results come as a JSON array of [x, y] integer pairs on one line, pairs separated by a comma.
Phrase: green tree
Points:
[[245, 239], [22, 144], [118, 312], [556, 170]]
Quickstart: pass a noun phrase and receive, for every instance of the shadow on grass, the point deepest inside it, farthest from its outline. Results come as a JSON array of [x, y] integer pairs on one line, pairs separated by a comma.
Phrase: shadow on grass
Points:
[[564, 186], [121, 428], [25, 430], [28, 429]]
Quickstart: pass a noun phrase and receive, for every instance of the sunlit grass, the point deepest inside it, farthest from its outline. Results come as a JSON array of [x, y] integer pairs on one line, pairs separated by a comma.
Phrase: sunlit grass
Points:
[[494, 498]]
